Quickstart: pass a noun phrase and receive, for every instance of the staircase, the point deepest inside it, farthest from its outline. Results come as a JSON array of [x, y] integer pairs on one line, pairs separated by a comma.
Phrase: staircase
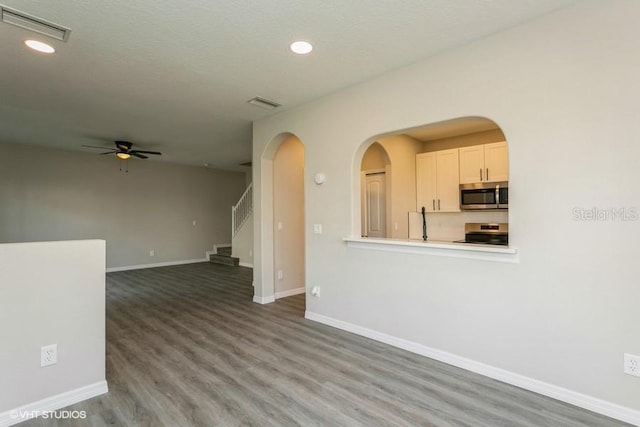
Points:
[[242, 210], [240, 214], [223, 256]]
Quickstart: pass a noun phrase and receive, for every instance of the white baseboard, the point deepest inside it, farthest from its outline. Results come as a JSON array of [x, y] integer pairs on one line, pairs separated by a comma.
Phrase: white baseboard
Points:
[[53, 403], [158, 264], [245, 264], [290, 292], [594, 404], [263, 300]]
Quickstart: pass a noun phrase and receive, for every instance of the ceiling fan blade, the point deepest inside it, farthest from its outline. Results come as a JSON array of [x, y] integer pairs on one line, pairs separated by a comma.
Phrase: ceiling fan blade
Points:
[[108, 152], [138, 155], [157, 153], [123, 145], [100, 148]]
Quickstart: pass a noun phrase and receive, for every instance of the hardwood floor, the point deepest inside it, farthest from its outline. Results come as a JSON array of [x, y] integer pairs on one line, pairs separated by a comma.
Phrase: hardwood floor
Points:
[[187, 347]]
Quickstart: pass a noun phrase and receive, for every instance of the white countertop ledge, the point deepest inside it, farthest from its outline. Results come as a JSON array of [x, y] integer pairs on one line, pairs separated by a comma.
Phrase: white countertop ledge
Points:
[[437, 248]]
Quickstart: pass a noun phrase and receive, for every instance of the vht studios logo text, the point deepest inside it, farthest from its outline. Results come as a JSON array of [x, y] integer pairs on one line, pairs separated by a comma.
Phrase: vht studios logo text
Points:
[[58, 415], [600, 214]]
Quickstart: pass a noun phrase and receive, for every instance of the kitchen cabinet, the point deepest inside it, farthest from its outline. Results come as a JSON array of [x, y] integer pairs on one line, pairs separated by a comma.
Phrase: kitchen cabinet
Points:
[[484, 163], [437, 181]]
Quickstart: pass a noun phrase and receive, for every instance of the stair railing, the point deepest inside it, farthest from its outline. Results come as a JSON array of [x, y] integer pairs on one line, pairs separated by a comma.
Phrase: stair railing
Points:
[[242, 210]]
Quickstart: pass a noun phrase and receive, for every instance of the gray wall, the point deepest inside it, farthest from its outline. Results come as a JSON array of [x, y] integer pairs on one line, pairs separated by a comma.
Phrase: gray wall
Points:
[[564, 90], [48, 194], [51, 293]]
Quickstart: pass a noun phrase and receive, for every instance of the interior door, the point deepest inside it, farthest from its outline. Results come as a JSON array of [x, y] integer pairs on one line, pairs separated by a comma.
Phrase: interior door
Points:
[[375, 205]]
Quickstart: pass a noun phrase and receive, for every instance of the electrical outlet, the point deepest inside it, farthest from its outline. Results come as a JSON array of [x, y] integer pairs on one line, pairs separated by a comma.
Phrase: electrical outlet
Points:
[[280, 274], [315, 291], [632, 365], [49, 355], [152, 253]]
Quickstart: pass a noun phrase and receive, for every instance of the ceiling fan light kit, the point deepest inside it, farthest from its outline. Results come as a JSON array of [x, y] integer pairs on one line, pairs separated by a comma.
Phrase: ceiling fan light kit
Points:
[[123, 151]]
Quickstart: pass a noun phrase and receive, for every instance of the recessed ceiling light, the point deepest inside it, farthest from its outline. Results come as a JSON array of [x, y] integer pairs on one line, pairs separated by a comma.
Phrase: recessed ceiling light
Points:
[[301, 47], [39, 46]]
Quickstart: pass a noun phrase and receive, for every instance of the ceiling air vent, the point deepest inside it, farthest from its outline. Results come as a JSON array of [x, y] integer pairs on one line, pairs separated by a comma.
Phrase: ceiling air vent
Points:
[[264, 103], [31, 23]]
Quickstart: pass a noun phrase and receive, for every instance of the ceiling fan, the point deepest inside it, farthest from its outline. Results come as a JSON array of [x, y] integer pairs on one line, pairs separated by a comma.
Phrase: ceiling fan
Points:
[[123, 150]]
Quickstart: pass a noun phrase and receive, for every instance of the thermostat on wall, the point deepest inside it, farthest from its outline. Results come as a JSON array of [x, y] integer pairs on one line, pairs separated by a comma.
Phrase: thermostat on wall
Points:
[[320, 178]]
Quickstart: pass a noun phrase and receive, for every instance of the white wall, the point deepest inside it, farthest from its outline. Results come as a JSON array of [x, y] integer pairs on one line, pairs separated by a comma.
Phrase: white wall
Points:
[[51, 293], [564, 91], [242, 243], [375, 158], [48, 194]]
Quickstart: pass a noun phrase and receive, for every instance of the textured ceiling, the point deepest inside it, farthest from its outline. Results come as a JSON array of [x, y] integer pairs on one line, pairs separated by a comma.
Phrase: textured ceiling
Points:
[[174, 76]]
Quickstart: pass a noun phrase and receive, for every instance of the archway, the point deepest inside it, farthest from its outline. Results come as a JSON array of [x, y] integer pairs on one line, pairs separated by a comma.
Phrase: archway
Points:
[[376, 197], [281, 168], [473, 140], [288, 216]]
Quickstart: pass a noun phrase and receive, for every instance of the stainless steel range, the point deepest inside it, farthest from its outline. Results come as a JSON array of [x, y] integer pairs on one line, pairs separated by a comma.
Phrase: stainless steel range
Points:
[[486, 233]]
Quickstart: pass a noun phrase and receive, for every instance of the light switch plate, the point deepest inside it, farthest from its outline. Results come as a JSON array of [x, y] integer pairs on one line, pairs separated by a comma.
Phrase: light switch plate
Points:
[[317, 228]]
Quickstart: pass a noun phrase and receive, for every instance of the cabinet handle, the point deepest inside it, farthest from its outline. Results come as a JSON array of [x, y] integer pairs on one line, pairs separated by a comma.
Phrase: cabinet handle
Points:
[[487, 174], [480, 174], [438, 204], [434, 204]]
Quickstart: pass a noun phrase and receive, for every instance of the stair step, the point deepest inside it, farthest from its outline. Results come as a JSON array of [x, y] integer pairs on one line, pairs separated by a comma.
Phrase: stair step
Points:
[[225, 251], [223, 259]]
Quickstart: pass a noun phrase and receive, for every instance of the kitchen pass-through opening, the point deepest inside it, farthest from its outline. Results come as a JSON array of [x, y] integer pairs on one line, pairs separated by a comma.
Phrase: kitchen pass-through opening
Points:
[[457, 170]]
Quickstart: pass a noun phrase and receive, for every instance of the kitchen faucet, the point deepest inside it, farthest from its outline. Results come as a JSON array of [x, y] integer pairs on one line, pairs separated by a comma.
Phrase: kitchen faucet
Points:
[[424, 224]]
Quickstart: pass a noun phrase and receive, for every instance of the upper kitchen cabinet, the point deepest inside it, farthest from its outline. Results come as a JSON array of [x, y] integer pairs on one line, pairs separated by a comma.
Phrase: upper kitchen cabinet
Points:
[[437, 181], [484, 163]]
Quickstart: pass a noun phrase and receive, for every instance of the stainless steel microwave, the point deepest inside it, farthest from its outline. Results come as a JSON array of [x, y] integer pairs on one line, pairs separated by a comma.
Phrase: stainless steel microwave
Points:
[[484, 195]]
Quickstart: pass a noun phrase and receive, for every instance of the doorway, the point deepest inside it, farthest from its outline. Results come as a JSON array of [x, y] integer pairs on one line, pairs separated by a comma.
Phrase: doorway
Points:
[[375, 192], [288, 219], [375, 206]]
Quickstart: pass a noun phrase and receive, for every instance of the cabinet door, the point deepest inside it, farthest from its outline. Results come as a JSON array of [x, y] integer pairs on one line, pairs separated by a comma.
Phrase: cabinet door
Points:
[[426, 181], [447, 181], [472, 164], [496, 162]]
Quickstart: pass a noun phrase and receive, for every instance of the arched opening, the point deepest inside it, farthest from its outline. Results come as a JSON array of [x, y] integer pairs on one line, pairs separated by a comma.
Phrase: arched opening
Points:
[[280, 244], [376, 197], [427, 166], [288, 216]]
